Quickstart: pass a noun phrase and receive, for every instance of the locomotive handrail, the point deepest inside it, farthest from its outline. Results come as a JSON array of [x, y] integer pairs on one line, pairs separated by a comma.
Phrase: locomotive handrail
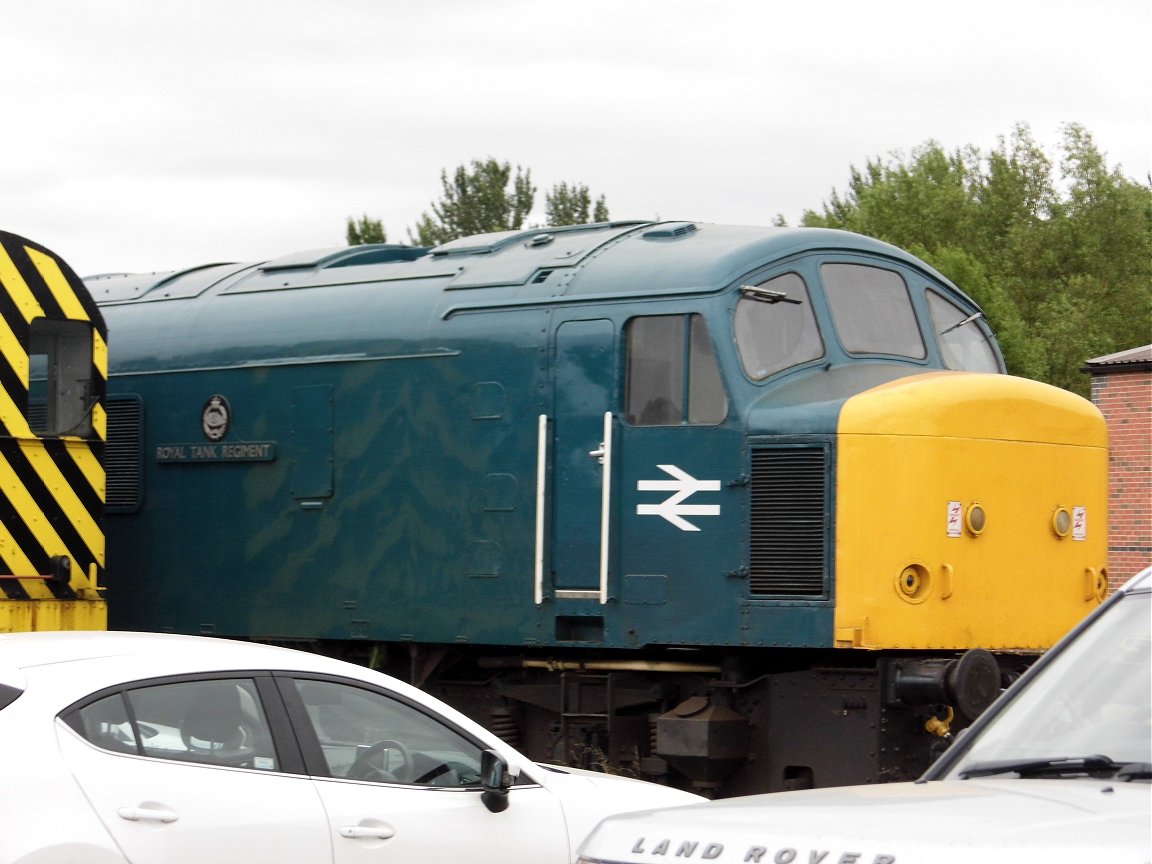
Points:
[[541, 480], [605, 505], [61, 572]]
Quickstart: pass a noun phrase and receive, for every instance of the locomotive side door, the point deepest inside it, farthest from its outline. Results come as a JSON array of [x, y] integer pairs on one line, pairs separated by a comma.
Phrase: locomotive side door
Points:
[[584, 380]]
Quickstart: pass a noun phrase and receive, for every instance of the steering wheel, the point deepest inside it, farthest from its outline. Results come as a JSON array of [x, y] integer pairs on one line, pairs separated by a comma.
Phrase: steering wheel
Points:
[[363, 769]]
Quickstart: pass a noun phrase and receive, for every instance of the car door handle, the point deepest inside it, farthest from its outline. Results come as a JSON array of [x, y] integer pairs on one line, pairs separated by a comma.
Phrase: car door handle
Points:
[[147, 814], [374, 832]]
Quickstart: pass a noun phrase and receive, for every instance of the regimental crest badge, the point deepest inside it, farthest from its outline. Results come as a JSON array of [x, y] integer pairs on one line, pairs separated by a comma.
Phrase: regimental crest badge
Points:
[[216, 418]]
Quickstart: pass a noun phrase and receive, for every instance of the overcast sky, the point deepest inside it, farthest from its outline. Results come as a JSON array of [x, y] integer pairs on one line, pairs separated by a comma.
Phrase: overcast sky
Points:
[[144, 135]]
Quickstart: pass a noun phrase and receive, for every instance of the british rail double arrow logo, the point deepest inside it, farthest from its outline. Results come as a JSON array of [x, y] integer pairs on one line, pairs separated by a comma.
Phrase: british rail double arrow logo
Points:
[[683, 486]]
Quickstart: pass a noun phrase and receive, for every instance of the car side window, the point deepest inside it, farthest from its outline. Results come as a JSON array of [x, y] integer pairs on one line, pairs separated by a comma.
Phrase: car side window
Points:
[[366, 735], [106, 724], [215, 722]]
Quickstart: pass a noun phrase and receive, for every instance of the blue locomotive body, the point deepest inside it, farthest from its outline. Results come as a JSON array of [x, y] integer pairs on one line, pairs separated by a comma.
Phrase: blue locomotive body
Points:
[[608, 449]]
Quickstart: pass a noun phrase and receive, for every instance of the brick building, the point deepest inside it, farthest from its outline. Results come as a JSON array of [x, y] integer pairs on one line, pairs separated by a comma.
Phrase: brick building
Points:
[[1122, 390]]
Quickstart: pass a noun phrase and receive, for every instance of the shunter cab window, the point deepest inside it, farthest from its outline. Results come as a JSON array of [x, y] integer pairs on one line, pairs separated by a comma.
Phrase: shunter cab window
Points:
[[872, 310], [962, 342], [60, 377], [775, 327], [673, 377]]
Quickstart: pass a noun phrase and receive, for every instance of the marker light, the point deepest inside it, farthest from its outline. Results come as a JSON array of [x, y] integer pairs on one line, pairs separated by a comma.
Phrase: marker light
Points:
[[1061, 521], [975, 519]]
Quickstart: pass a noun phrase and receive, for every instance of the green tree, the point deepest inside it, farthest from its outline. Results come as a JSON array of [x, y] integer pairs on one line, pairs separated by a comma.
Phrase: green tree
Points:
[[572, 205], [484, 198], [1060, 260], [365, 230]]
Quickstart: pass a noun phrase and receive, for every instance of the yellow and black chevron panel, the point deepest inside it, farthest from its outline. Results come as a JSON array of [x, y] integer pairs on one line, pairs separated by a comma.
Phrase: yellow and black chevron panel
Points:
[[53, 378]]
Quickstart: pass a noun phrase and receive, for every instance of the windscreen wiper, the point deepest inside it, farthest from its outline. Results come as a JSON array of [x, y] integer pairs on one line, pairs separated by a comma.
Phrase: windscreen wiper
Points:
[[766, 295], [961, 323], [1092, 766]]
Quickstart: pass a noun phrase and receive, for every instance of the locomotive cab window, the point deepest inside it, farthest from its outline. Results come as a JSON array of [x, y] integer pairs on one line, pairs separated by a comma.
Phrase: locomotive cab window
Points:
[[872, 310], [963, 343], [673, 377], [60, 377], [775, 327]]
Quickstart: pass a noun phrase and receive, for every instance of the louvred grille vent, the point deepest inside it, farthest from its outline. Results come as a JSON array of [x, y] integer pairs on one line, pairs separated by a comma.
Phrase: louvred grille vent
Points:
[[789, 523]]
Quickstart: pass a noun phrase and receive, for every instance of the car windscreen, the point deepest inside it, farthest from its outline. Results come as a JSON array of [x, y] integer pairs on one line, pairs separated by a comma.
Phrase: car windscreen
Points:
[[1091, 708]]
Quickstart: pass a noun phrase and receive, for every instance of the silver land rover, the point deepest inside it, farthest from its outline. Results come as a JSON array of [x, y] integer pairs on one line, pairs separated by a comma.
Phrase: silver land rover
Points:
[[1056, 770]]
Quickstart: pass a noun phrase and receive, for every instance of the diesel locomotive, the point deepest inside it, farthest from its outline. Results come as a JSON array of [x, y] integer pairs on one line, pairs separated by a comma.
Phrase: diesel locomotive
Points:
[[53, 370], [738, 508]]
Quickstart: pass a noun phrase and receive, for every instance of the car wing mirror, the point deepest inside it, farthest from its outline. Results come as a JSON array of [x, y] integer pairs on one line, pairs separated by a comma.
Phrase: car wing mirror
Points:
[[496, 776]]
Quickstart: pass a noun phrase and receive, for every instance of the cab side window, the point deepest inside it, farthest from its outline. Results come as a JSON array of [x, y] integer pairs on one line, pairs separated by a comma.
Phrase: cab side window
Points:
[[214, 722], [60, 388], [673, 378], [366, 735]]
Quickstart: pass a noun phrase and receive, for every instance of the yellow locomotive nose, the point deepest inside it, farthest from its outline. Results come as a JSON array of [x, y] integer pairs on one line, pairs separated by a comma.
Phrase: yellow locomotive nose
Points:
[[938, 544]]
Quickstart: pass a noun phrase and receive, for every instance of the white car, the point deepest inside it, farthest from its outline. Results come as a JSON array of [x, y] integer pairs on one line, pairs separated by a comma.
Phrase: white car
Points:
[[1057, 770], [163, 749]]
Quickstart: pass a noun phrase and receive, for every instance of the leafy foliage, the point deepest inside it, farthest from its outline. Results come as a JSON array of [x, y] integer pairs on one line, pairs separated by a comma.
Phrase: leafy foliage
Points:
[[1061, 260], [572, 205], [486, 197], [480, 200], [365, 230]]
